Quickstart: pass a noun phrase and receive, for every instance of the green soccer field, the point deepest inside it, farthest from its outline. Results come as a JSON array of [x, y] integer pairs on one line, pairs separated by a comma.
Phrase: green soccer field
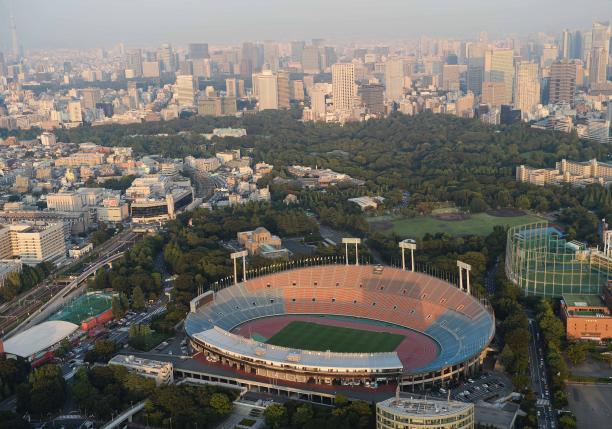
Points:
[[312, 336]]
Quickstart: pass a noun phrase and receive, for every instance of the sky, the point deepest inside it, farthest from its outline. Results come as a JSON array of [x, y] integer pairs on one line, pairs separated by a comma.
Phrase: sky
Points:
[[147, 23]]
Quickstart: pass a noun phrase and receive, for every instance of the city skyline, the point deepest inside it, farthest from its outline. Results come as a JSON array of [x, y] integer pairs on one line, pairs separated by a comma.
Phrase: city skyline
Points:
[[114, 21]]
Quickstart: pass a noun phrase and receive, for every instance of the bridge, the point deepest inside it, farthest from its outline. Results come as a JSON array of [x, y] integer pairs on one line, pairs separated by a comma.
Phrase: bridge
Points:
[[57, 299], [126, 415]]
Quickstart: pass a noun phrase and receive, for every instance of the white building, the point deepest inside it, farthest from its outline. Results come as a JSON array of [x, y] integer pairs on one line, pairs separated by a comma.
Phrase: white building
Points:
[[343, 87], [33, 242], [161, 372]]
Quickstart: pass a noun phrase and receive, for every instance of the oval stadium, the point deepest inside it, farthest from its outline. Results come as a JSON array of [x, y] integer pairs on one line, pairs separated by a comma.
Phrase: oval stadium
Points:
[[343, 324]]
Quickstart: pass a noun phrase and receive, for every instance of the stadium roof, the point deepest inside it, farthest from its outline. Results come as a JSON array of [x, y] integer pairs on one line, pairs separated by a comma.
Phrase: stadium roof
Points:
[[39, 338], [423, 407], [282, 356]]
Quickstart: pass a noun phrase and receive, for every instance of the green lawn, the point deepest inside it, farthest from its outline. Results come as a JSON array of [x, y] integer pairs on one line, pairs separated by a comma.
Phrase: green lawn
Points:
[[312, 336], [477, 224]]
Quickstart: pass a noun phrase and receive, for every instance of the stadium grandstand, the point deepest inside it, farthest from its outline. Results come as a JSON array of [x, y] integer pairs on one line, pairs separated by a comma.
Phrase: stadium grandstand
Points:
[[343, 324]]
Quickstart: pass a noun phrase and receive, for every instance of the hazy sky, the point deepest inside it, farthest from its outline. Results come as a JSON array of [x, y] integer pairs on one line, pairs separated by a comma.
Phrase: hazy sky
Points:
[[103, 23]]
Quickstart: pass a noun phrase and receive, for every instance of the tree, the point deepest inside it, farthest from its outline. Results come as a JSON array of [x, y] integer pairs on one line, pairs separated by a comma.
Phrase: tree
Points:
[[275, 416], [221, 403], [138, 299], [577, 352], [303, 414], [45, 391]]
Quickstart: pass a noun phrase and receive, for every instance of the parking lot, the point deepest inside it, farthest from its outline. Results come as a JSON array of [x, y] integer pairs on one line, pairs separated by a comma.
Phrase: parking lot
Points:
[[485, 387], [592, 404]]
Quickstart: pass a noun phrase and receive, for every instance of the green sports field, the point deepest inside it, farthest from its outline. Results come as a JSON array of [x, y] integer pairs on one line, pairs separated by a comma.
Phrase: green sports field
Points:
[[477, 224], [312, 336]]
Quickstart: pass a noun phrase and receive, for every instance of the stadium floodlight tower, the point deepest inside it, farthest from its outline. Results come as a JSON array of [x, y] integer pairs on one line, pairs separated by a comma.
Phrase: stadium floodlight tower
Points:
[[467, 267], [409, 244], [243, 254], [356, 242]]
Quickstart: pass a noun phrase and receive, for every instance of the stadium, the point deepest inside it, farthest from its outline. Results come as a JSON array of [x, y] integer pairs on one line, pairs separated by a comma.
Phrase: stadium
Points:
[[343, 324]]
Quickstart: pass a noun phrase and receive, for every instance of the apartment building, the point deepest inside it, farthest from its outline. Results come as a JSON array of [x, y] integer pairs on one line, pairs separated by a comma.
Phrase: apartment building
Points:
[[33, 242]]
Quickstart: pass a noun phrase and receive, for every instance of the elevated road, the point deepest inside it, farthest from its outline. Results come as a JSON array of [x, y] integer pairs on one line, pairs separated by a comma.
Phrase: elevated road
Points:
[[23, 311]]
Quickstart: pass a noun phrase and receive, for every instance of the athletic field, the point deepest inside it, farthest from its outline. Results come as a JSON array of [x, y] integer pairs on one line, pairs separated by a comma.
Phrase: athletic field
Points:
[[316, 337], [476, 224]]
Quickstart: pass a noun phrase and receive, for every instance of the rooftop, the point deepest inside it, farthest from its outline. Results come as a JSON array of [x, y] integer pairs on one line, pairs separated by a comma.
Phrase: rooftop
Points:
[[424, 407], [576, 300], [39, 338]]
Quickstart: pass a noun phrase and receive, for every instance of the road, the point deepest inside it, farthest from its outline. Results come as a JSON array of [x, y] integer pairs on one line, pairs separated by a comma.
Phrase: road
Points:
[[33, 300], [546, 413]]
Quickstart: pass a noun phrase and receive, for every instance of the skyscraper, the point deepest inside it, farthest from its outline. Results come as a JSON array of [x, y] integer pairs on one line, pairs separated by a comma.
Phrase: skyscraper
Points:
[[475, 75], [311, 60], [372, 97], [600, 36], [167, 58], [14, 40], [499, 67], [526, 87], [284, 91], [90, 97], [576, 45], [493, 94], [394, 79], [267, 90], [598, 66], [343, 87], [562, 84], [133, 61], [566, 45], [230, 87], [185, 90], [297, 47], [198, 51]]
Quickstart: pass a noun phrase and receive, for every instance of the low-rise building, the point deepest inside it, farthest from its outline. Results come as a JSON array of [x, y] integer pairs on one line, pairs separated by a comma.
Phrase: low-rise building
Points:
[[588, 317], [412, 413], [260, 242], [161, 372], [576, 173]]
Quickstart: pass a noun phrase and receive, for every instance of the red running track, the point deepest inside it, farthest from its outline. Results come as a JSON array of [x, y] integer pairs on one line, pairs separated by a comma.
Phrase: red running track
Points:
[[415, 351]]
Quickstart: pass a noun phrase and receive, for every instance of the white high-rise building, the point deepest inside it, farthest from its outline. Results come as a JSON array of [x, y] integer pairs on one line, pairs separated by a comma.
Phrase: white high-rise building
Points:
[[266, 84], [318, 105], [33, 242], [185, 90], [343, 87], [526, 87], [75, 113], [394, 79], [598, 69]]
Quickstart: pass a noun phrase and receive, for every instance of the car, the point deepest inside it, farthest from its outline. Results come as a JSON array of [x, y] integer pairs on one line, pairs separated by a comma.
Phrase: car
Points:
[[470, 380]]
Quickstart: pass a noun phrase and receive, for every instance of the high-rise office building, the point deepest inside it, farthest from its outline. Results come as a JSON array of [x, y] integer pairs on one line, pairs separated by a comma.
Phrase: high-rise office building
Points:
[[150, 69], [134, 96], [562, 83], [297, 47], [167, 58], [2, 65], [318, 101], [499, 67], [133, 61], [566, 45], [576, 45], [90, 97], [266, 85], [271, 55], [297, 90], [231, 88], [598, 69], [328, 57], [526, 87], [373, 99], [394, 79], [600, 36], [284, 90], [311, 60], [14, 40], [343, 87], [198, 51], [475, 75], [451, 76], [185, 90], [75, 113], [493, 94]]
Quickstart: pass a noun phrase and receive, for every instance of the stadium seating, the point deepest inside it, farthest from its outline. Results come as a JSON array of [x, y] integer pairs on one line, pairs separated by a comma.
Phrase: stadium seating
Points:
[[455, 320]]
